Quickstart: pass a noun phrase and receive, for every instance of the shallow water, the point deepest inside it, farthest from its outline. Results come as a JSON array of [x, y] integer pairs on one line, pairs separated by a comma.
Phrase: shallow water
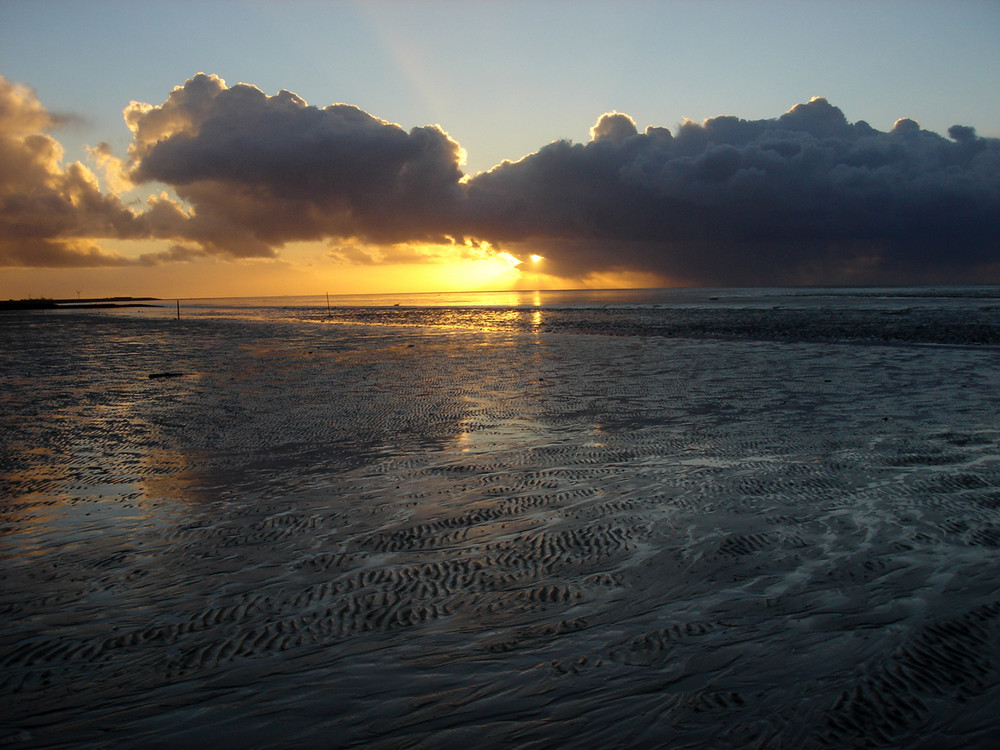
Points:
[[573, 524]]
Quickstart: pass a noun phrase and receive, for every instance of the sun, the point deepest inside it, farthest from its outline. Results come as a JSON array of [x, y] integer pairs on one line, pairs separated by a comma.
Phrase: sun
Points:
[[477, 267], [535, 258]]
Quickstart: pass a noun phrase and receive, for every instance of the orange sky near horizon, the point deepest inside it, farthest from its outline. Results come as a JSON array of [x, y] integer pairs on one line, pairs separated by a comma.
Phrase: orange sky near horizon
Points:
[[302, 270]]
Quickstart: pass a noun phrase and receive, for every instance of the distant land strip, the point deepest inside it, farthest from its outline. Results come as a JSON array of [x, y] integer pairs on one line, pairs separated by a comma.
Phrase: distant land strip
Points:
[[77, 304]]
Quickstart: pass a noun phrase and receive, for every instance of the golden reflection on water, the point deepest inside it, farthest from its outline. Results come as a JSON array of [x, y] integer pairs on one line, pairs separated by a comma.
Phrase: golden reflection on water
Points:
[[598, 439], [76, 501], [89, 466]]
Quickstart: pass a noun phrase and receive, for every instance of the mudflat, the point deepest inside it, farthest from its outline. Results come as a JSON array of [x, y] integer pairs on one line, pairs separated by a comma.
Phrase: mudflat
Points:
[[274, 533]]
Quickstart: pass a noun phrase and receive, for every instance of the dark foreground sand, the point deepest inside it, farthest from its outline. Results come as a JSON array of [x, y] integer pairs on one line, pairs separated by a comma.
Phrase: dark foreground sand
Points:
[[347, 535]]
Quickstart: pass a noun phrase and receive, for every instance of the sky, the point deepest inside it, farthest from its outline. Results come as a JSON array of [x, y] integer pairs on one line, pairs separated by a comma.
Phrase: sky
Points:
[[184, 149]]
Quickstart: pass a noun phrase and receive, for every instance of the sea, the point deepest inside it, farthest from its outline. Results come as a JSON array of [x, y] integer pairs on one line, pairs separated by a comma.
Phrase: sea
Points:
[[937, 314]]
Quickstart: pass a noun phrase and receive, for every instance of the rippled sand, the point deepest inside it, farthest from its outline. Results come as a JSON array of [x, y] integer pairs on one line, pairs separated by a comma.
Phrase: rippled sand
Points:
[[342, 535]]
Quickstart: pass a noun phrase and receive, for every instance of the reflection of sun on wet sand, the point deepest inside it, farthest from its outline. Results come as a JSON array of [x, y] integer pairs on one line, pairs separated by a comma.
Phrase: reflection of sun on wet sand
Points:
[[494, 536]]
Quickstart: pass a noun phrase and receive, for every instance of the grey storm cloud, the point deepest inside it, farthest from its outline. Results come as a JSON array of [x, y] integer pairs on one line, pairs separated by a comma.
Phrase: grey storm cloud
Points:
[[262, 170], [805, 197]]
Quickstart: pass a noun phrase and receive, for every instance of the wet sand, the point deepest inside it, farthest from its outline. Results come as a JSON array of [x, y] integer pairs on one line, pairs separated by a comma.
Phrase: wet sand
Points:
[[347, 535]]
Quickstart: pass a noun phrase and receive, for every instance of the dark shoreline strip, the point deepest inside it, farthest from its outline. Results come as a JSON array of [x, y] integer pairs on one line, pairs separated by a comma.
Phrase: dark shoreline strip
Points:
[[77, 304]]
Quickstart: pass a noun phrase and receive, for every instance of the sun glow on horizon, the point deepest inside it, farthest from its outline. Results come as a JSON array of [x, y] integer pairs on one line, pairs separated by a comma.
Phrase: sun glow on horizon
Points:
[[425, 268], [311, 268], [481, 267]]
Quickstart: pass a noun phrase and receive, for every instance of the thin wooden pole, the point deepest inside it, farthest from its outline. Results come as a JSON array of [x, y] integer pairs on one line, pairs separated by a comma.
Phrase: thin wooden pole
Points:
[[178, 309], [328, 304]]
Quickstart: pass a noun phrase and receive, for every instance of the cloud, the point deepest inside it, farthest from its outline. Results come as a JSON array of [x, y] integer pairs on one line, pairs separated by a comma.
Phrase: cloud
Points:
[[613, 126], [263, 170], [20, 110], [804, 197], [368, 255], [173, 254], [50, 213], [113, 168]]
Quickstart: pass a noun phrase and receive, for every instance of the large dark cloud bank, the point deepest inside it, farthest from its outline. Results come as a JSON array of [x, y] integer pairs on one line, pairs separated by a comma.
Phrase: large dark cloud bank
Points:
[[806, 197]]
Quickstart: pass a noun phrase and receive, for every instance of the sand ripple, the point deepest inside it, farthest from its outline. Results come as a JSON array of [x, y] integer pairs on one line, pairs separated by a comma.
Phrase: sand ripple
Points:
[[351, 535]]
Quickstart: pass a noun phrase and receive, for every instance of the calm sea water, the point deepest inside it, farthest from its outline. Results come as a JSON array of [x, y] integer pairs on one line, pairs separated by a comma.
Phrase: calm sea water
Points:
[[942, 315], [600, 298]]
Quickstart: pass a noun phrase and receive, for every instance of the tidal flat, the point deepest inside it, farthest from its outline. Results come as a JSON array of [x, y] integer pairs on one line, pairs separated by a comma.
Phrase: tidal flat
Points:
[[406, 531]]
